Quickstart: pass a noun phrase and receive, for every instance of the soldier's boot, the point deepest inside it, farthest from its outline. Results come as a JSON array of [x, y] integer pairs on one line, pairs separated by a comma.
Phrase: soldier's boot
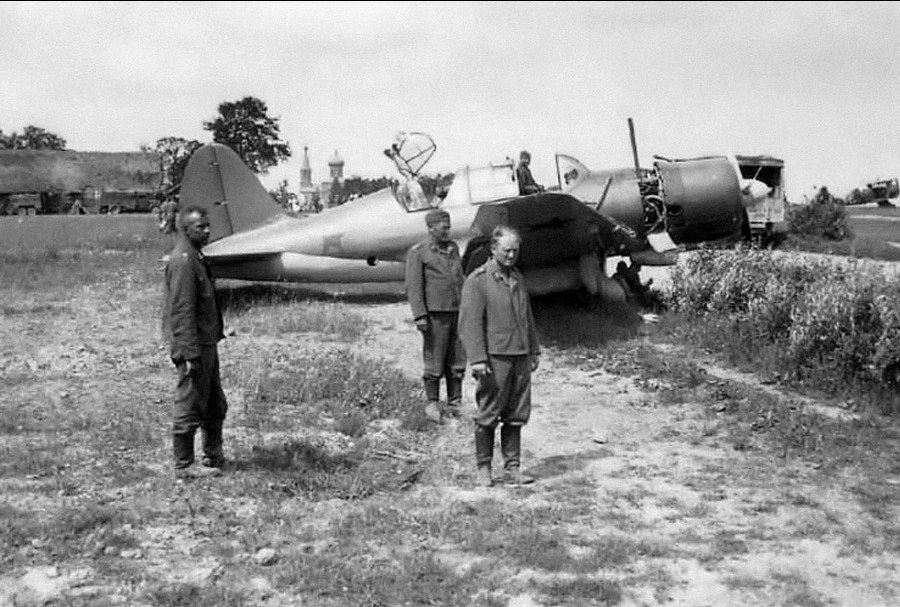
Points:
[[432, 394], [484, 453], [183, 449], [213, 456], [454, 396], [511, 447]]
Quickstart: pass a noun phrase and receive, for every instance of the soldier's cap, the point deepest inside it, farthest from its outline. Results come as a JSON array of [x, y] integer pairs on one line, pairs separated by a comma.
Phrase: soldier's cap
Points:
[[436, 215]]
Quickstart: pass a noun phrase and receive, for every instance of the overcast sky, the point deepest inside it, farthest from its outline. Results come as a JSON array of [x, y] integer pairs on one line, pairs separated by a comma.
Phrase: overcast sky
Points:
[[810, 82]]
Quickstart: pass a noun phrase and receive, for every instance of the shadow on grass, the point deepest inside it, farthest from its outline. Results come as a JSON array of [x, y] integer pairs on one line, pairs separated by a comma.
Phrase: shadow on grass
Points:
[[238, 295], [560, 465], [571, 320], [310, 470]]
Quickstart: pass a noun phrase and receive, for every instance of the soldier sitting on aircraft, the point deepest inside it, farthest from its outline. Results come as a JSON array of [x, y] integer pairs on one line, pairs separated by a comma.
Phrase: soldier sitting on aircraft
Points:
[[527, 184]]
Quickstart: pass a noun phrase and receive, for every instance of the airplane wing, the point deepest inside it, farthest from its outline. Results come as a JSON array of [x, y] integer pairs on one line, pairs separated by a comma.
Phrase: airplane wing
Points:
[[566, 235], [564, 241]]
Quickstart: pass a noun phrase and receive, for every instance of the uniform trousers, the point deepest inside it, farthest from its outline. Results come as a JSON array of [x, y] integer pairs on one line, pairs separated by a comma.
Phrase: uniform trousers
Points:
[[199, 403], [442, 351], [504, 394]]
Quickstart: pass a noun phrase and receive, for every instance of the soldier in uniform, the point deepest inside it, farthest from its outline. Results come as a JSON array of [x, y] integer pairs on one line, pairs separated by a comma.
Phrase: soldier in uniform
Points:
[[527, 184], [192, 324], [168, 215], [499, 335], [434, 278]]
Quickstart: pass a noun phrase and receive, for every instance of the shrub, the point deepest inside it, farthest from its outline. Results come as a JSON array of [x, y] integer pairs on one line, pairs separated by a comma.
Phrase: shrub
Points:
[[837, 325], [824, 217]]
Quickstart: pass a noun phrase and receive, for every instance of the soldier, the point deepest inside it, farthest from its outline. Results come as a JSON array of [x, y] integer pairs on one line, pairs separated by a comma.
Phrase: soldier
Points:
[[499, 335], [434, 278], [527, 184], [168, 214], [192, 324]]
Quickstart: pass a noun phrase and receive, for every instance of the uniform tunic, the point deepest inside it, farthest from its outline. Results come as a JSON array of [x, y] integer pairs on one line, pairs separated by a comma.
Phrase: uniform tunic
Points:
[[192, 324], [527, 184], [434, 278], [497, 327]]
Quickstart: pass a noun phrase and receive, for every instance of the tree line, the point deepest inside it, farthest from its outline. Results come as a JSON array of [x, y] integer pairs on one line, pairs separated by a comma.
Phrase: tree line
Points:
[[243, 125]]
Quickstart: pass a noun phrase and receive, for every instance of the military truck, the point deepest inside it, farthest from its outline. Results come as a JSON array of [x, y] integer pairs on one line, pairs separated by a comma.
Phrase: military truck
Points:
[[765, 206], [63, 181], [20, 204], [884, 190]]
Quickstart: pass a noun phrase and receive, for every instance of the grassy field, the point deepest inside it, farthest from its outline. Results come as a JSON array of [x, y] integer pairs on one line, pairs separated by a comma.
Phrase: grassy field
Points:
[[876, 235], [712, 488]]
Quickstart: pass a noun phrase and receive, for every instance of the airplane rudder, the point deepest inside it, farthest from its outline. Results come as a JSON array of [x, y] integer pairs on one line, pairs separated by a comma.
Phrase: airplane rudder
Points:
[[201, 186], [217, 179]]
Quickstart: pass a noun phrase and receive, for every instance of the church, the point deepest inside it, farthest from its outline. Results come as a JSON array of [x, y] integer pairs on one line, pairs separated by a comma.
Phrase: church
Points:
[[314, 196]]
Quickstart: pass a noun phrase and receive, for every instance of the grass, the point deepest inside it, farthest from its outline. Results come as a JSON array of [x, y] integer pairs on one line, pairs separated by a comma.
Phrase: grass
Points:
[[872, 237], [333, 466]]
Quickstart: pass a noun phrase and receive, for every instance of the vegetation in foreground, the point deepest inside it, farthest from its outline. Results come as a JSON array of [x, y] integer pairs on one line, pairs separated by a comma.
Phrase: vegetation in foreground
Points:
[[812, 321], [340, 494]]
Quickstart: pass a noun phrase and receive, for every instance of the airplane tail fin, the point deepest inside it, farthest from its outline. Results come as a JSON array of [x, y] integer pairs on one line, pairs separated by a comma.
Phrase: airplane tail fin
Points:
[[217, 180]]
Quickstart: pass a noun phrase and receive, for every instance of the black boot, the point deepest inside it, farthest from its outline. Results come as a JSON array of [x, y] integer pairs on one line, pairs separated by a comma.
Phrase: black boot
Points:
[[433, 396], [183, 449], [454, 396], [484, 453], [511, 447], [213, 456]]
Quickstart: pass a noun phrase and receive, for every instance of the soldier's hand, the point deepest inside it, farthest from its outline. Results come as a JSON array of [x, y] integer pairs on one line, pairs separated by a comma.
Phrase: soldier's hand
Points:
[[192, 367], [535, 362], [422, 324], [480, 369]]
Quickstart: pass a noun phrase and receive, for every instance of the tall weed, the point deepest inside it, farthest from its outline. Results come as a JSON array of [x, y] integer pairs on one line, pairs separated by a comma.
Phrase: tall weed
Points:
[[829, 324]]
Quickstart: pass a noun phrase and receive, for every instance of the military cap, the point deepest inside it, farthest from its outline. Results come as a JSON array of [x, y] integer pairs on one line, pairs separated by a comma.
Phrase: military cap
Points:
[[436, 215]]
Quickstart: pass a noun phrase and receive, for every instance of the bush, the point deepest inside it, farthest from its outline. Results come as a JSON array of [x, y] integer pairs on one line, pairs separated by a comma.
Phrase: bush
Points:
[[824, 217], [835, 325]]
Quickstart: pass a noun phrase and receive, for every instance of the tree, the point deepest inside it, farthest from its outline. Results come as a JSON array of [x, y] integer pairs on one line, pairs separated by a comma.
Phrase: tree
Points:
[[362, 186], [32, 138], [284, 197], [245, 127], [174, 153]]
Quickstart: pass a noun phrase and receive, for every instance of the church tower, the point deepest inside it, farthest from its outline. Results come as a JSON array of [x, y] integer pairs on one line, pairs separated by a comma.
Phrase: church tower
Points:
[[336, 166], [305, 170]]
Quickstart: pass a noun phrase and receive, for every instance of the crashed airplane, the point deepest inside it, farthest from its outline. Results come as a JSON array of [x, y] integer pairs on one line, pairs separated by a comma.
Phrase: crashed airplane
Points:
[[644, 214]]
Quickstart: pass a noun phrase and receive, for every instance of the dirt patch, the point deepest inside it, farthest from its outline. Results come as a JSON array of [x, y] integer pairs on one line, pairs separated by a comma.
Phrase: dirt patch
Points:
[[640, 500], [732, 527]]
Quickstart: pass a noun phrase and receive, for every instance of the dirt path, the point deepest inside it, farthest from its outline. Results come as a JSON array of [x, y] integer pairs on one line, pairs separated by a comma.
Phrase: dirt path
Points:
[[718, 526]]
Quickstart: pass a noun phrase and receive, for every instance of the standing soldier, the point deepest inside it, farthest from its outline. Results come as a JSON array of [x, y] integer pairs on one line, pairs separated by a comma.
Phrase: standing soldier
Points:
[[498, 332], [168, 215], [192, 324], [434, 278]]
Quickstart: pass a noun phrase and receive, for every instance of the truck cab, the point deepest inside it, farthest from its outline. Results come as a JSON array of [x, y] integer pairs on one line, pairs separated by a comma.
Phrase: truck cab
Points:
[[762, 188]]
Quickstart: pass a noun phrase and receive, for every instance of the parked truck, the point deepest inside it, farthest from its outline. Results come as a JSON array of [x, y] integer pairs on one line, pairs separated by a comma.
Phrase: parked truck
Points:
[[20, 204], [765, 209], [64, 181], [880, 192]]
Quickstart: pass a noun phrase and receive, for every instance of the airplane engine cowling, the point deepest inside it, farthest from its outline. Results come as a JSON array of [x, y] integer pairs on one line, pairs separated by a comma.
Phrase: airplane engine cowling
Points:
[[702, 199]]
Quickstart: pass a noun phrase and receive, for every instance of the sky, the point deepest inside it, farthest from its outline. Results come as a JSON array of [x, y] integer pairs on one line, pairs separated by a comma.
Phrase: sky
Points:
[[808, 82]]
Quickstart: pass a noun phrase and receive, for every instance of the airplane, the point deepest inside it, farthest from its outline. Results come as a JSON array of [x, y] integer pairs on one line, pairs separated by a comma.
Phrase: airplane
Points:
[[567, 232]]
